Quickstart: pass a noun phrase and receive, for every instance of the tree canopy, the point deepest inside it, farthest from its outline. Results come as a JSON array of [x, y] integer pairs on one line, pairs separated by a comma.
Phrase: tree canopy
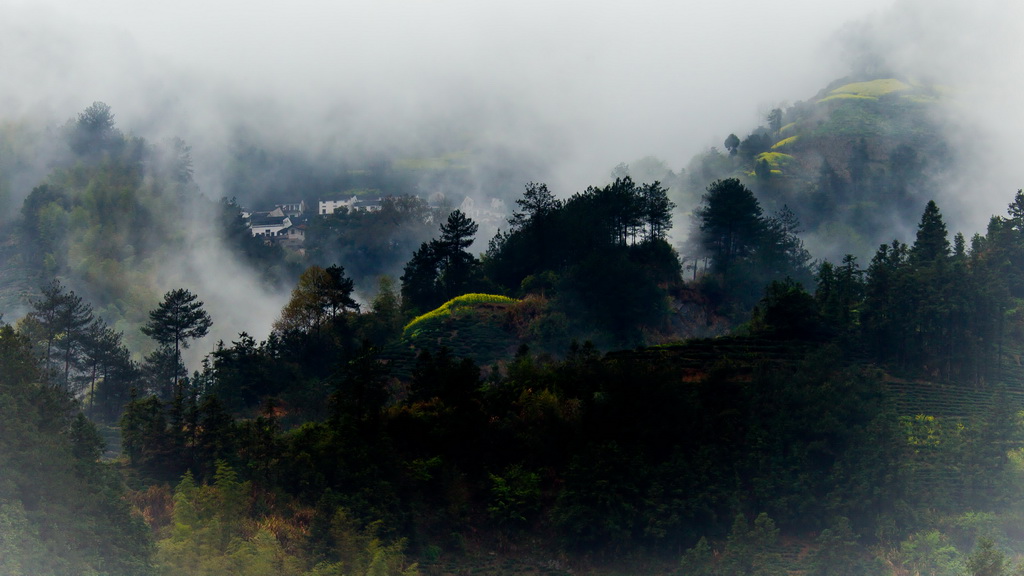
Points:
[[178, 318]]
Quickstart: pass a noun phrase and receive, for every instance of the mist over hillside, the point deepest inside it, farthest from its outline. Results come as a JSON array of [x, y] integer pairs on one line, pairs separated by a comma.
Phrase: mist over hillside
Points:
[[495, 97], [609, 288]]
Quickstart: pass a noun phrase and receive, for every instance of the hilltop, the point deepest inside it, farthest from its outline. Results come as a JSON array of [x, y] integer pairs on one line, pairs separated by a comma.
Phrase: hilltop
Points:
[[851, 161]]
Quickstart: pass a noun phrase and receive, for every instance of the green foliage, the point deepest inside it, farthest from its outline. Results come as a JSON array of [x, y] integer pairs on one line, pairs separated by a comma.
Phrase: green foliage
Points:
[[62, 511], [751, 549], [453, 307], [515, 497], [785, 143], [699, 560], [786, 311], [835, 97], [624, 455], [872, 88], [930, 552], [747, 249], [776, 160], [443, 268], [839, 552], [178, 318], [986, 560], [321, 298], [601, 256]]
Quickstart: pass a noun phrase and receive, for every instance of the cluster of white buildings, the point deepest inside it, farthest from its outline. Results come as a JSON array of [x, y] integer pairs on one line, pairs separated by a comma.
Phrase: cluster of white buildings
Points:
[[326, 207], [286, 223], [283, 224]]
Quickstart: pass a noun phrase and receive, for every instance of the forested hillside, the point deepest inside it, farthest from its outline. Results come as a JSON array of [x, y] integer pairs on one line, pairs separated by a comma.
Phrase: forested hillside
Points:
[[854, 162], [580, 397]]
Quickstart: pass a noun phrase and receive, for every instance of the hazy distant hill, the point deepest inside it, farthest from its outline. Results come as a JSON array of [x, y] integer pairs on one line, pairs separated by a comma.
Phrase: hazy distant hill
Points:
[[852, 162]]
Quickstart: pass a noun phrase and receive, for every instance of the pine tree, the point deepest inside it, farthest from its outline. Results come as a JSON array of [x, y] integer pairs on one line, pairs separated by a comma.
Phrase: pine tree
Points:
[[180, 317], [932, 244]]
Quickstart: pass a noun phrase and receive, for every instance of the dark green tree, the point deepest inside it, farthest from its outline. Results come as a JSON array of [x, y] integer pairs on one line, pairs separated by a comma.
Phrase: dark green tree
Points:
[[385, 320], [64, 319], [840, 296], [657, 210], [537, 204], [929, 287], [986, 559], [457, 265], [106, 357], [932, 243], [180, 317], [730, 223], [732, 144], [321, 297], [787, 311], [751, 549], [420, 291], [46, 315], [63, 511], [775, 120], [885, 321], [94, 132], [442, 268], [838, 552]]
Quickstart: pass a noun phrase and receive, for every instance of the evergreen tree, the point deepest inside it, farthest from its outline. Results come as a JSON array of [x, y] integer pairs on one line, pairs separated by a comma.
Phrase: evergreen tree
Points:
[[443, 268], [932, 243], [885, 303], [420, 291], [729, 223], [180, 317], [456, 265], [64, 319]]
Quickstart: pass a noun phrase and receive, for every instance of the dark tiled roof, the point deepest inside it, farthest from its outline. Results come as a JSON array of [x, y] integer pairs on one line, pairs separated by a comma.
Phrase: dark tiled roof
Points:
[[267, 220]]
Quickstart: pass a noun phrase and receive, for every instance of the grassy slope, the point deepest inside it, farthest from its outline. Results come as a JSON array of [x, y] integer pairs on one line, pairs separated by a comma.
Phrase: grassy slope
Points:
[[472, 326]]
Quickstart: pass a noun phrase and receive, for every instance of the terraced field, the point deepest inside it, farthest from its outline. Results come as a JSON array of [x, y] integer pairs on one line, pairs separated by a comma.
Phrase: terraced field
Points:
[[693, 358], [914, 397]]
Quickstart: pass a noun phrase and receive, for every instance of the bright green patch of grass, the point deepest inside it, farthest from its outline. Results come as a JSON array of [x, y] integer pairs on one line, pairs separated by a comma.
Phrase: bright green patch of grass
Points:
[[835, 97], [453, 306], [920, 98], [872, 88], [776, 160], [784, 142]]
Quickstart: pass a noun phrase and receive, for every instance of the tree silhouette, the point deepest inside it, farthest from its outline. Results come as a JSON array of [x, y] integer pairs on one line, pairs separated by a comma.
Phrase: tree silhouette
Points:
[[732, 144], [176, 320], [443, 268], [730, 223], [321, 295]]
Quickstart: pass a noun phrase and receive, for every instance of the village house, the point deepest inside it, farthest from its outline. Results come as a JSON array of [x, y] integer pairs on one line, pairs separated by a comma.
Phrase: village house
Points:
[[284, 225], [269, 224], [327, 207], [494, 214], [292, 209]]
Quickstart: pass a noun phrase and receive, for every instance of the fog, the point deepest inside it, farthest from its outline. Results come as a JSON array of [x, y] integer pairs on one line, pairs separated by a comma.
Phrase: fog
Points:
[[564, 90], [582, 85], [973, 49]]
